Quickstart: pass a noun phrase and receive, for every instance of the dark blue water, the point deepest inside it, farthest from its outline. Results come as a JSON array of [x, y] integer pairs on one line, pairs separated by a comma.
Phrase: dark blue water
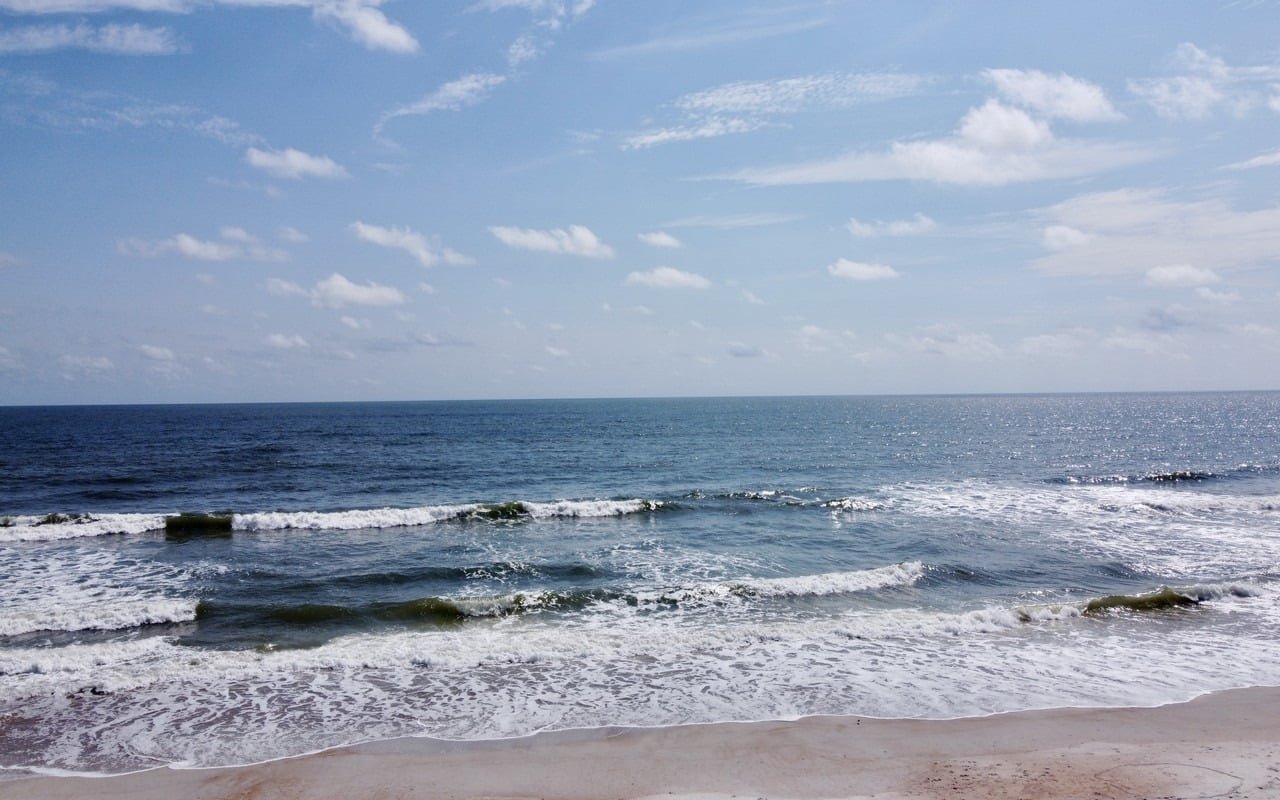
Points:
[[487, 569]]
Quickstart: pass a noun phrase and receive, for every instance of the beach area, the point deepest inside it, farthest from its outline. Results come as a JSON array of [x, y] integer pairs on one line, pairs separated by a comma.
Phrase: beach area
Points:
[[1226, 744]]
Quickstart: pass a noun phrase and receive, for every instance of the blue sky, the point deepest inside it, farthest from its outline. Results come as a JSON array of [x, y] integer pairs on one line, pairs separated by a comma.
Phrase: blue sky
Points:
[[238, 200]]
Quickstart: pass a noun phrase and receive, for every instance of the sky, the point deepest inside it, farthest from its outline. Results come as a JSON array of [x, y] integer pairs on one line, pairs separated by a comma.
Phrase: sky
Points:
[[297, 200]]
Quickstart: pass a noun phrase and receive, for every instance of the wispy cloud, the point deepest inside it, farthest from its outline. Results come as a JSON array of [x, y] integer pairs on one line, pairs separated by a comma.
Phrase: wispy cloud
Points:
[[994, 145], [668, 278], [861, 271], [1133, 231], [577, 240], [1271, 159], [731, 221], [659, 239], [125, 40], [745, 106], [735, 33], [363, 20], [426, 251], [1055, 96], [899, 227], [294, 164], [337, 291], [1207, 83], [235, 243], [461, 93]]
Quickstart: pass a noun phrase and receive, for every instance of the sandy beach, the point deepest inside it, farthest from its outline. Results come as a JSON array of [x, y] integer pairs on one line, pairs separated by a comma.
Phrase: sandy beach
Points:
[[1220, 745]]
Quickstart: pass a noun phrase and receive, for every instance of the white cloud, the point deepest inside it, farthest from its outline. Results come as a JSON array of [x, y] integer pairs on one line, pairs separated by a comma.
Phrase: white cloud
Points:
[[294, 164], [733, 33], [732, 221], [426, 252], [283, 341], [858, 271], [1132, 231], [994, 145], [87, 363], [577, 240], [353, 323], [336, 291], [1062, 237], [745, 106], [8, 360], [236, 243], [126, 40], [461, 93], [1271, 159], [1206, 84], [156, 353], [362, 19], [708, 129], [659, 239], [283, 288], [751, 298], [1050, 344], [1216, 297], [951, 344], [1056, 96], [668, 278], [557, 352], [366, 24], [899, 227], [293, 235], [1181, 275]]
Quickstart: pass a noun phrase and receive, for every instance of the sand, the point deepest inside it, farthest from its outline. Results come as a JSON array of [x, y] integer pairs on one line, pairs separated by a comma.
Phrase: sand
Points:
[[1221, 745]]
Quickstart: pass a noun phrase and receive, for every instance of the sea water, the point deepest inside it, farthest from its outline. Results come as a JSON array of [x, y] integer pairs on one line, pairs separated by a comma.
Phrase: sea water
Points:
[[492, 569]]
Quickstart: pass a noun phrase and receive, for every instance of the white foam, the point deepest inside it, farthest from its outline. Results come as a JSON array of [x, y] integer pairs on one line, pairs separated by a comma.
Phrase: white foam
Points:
[[34, 529], [589, 508], [853, 504], [109, 615], [373, 518], [828, 583]]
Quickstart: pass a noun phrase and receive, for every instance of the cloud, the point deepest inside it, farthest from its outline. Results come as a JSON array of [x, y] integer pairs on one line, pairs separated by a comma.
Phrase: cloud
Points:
[[858, 271], [8, 260], [732, 221], [709, 129], [735, 33], [362, 19], [236, 244], [741, 350], [1062, 237], [994, 145], [156, 353], [87, 364], [958, 345], [336, 291], [282, 341], [461, 93], [1181, 275], [659, 239], [578, 240], [1271, 159], [8, 360], [294, 164], [667, 278], [366, 24], [745, 106], [1206, 84], [293, 235], [1132, 231], [1051, 344], [125, 40], [751, 298], [900, 227], [1055, 96], [1218, 298], [557, 352], [426, 252], [283, 288]]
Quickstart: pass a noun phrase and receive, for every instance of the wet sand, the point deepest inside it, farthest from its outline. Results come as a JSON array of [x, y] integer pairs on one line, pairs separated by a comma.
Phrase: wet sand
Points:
[[1221, 745]]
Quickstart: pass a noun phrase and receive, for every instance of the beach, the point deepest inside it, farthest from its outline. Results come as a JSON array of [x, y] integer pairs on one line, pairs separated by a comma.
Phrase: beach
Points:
[[1225, 744]]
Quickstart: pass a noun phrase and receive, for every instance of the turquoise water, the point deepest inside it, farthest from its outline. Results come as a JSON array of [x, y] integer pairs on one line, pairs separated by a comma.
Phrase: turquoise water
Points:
[[475, 570]]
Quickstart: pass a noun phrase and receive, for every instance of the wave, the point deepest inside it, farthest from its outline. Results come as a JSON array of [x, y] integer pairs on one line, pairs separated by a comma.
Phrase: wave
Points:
[[1174, 476], [54, 527], [853, 504], [111, 615], [1166, 598]]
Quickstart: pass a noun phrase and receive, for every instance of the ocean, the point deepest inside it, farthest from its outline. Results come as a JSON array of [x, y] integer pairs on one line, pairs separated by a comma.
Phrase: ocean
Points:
[[472, 570]]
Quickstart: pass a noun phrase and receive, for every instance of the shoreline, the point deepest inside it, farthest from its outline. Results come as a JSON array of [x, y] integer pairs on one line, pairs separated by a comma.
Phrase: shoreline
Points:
[[1220, 744]]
